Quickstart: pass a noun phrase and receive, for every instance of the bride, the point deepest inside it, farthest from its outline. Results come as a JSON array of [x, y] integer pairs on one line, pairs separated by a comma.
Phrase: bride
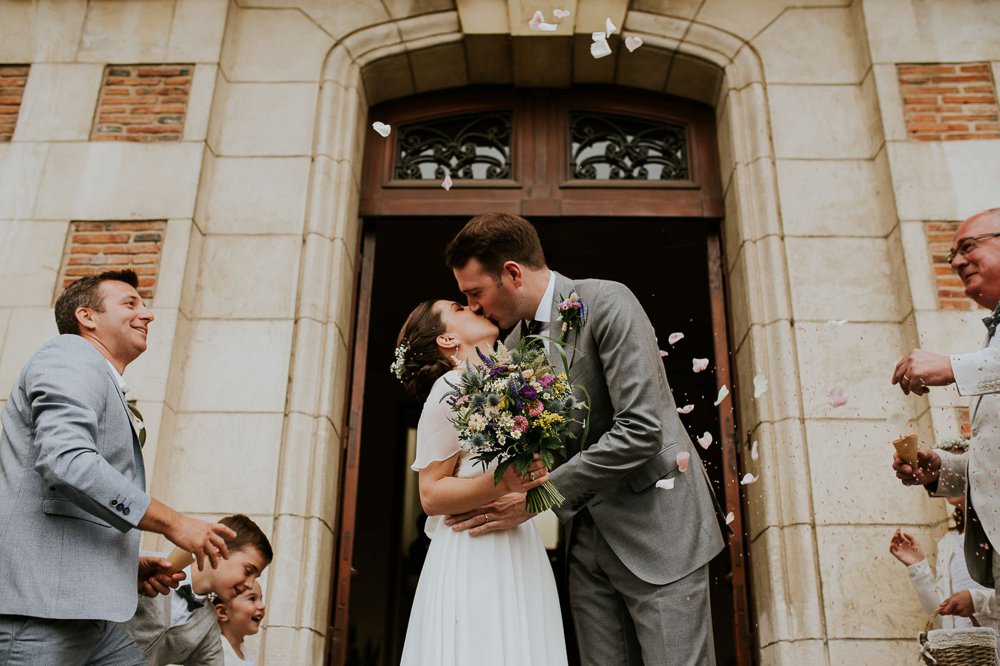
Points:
[[484, 600]]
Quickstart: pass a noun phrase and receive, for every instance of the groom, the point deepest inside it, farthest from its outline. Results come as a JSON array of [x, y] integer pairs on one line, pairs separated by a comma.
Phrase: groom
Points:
[[638, 554]]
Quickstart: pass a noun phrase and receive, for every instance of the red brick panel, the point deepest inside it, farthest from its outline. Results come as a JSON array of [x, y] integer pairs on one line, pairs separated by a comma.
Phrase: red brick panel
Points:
[[12, 80], [142, 103], [949, 102], [950, 292], [94, 247]]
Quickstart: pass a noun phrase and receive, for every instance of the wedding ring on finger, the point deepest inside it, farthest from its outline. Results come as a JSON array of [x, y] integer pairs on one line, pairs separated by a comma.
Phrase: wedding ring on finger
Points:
[[531, 475], [486, 518]]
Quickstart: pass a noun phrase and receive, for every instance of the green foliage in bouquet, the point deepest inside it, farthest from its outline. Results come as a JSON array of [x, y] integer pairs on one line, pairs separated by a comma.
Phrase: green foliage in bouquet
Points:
[[512, 407]]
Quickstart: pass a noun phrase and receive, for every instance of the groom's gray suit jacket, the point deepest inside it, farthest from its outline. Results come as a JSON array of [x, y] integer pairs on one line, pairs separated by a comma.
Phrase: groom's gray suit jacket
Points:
[[634, 438], [72, 488]]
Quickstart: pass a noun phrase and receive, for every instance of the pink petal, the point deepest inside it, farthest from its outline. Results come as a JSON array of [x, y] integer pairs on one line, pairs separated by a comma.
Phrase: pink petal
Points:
[[665, 484], [663, 353], [683, 458], [561, 13], [536, 20], [632, 42], [699, 364], [686, 409], [705, 440], [446, 183], [674, 338], [837, 397]]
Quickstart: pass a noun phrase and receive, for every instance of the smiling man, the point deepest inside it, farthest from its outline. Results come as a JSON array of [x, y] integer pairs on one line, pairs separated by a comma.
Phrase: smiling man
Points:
[[72, 489], [975, 257]]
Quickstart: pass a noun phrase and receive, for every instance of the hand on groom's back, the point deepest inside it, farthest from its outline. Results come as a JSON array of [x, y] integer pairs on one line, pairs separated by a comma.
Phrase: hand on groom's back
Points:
[[501, 514]]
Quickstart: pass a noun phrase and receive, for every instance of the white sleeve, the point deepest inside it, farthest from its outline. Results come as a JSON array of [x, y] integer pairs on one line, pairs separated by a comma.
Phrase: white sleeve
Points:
[[952, 477], [984, 603], [437, 438], [977, 373], [926, 587]]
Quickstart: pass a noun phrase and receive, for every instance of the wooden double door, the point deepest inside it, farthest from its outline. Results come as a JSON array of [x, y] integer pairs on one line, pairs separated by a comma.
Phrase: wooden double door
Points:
[[619, 186]]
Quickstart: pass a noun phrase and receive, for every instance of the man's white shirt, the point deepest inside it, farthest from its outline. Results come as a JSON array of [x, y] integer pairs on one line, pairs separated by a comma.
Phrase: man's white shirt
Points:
[[544, 311]]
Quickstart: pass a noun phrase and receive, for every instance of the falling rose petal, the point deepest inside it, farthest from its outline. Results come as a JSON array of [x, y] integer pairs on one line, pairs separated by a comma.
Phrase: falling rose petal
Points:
[[536, 20], [561, 13], [632, 42], [609, 27], [674, 338], [836, 323], [747, 479], [446, 183], [665, 484], [600, 47], [383, 129], [705, 440], [699, 364], [837, 397], [754, 454], [683, 458], [686, 409], [759, 386], [730, 517], [663, 354], [548, 27], [723, 392]]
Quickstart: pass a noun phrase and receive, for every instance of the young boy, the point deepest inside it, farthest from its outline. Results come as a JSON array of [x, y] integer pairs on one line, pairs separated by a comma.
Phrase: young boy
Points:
[[239, 618], [181, 627]]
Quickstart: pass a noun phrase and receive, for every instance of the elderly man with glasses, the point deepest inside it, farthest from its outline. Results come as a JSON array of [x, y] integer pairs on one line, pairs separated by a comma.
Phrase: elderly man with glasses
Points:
[[975, 257]]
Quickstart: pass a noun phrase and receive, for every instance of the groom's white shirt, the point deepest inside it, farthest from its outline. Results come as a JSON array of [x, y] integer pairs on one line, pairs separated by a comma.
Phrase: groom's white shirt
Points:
[[544, 311]]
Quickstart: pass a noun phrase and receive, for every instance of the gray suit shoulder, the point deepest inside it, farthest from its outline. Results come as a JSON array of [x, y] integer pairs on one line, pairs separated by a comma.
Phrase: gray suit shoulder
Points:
[[68, 345]]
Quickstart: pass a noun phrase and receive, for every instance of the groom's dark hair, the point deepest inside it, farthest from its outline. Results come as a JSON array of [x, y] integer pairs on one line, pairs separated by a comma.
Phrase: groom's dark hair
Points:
[[493, 239]]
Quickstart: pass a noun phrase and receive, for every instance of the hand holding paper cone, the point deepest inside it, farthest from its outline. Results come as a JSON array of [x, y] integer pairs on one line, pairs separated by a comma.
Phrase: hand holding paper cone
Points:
[[179, 559]]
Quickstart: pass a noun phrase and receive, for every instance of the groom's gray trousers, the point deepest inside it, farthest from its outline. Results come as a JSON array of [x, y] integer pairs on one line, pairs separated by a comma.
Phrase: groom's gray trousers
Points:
[[621, 619]]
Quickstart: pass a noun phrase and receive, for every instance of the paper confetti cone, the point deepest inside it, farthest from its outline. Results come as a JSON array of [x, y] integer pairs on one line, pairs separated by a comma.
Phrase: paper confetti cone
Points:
[[906, 447]]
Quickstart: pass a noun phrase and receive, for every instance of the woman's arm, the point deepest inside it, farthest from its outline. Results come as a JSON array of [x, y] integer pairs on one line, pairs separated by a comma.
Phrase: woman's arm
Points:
[[442, 493]]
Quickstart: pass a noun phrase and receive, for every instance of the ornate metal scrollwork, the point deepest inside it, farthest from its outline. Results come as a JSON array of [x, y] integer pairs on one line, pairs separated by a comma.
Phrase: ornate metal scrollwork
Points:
[[611, 147], [475, 147]]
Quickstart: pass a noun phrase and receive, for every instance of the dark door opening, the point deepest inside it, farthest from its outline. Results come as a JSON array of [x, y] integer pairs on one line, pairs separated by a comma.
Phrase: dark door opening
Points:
[[665, 262]]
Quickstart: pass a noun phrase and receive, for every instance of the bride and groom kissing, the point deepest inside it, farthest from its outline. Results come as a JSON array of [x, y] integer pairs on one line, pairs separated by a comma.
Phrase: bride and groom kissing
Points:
[[637, 555]]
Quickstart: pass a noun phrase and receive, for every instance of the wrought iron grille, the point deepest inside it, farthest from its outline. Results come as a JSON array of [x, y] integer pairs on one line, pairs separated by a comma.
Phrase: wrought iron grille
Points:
[[476, 147], [610, 147]]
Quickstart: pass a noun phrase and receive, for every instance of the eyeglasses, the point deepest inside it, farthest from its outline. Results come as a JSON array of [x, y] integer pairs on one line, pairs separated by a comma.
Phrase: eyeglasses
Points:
[[967, 245]]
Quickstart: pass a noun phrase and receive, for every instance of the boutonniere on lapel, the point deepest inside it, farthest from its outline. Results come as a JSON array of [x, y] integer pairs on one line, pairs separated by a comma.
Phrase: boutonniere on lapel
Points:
[[573, 313]]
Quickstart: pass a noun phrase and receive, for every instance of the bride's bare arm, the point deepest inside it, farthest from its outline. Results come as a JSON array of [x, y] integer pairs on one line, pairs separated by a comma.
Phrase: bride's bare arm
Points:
[[442, 493]]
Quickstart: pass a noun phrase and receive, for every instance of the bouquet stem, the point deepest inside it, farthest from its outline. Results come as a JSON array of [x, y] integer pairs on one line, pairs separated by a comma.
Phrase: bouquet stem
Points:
[[543, 498]]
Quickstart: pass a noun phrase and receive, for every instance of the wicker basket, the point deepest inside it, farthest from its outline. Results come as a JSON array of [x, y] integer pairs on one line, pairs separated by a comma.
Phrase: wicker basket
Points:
[[969, 646]]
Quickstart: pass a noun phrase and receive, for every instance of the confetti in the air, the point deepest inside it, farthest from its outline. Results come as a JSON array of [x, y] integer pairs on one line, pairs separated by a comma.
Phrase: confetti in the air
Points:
[[632, 42], [699, 364], [609, 27], [665, 484], [561, 13], [730, 517], [747, 479], [663, 354], [837, 397], [759, 386], [600, 47], [754, 454], [382, 129], [674, 338], [537, 22], [683, 458], [446, 183], [836, 323], [686, 409], [705, 440], [723, 392]]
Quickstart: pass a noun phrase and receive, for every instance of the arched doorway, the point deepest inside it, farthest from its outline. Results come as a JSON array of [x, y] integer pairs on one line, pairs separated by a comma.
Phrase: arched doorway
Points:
[[621, 185]]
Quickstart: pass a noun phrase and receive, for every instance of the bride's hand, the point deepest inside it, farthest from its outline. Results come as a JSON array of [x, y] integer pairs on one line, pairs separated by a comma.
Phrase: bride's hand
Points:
[[513, 482], [501, 514]]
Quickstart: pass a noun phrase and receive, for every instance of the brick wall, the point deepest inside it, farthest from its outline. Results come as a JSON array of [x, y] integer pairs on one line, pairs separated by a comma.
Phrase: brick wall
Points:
[[94, 247], [949, 102], [950, 292], [142, 103], [12, 80]]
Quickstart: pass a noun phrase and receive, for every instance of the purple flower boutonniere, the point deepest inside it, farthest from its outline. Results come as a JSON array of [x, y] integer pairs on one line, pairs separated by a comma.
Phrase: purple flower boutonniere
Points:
[[573, 313]]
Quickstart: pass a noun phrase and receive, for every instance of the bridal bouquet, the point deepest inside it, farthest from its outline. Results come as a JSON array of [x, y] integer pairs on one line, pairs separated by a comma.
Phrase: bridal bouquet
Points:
[[512, 407]]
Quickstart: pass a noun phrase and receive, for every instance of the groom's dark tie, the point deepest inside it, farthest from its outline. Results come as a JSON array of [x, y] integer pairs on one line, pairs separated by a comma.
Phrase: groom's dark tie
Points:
[[534, 327]]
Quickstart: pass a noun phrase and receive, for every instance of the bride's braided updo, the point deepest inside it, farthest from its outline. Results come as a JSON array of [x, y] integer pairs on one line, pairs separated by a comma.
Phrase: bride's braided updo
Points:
[[419, 361]]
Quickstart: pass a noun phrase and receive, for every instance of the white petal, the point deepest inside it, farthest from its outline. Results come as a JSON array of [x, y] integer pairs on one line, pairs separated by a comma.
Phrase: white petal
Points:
[[686, 409], [536, 20], [446, 183], [665, 484], [683, 458], [730, 517], [705, 440], [759, 386], [723, 392], [382, 128], [837, 397], [754, 454], [548, 27], [663, 353], [598, 36], [609, 27], [632, 42], [747, 479], [674, 338], [836, 323], [600, 48], [561, 13], [699, 364]]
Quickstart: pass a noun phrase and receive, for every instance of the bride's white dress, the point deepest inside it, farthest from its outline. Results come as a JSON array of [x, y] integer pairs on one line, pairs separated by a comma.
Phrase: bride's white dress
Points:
[[480, 601]]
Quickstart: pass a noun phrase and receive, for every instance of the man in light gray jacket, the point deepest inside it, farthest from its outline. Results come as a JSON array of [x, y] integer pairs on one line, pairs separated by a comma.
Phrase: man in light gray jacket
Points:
[[72, 489], [975, 256], [638, 554]]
